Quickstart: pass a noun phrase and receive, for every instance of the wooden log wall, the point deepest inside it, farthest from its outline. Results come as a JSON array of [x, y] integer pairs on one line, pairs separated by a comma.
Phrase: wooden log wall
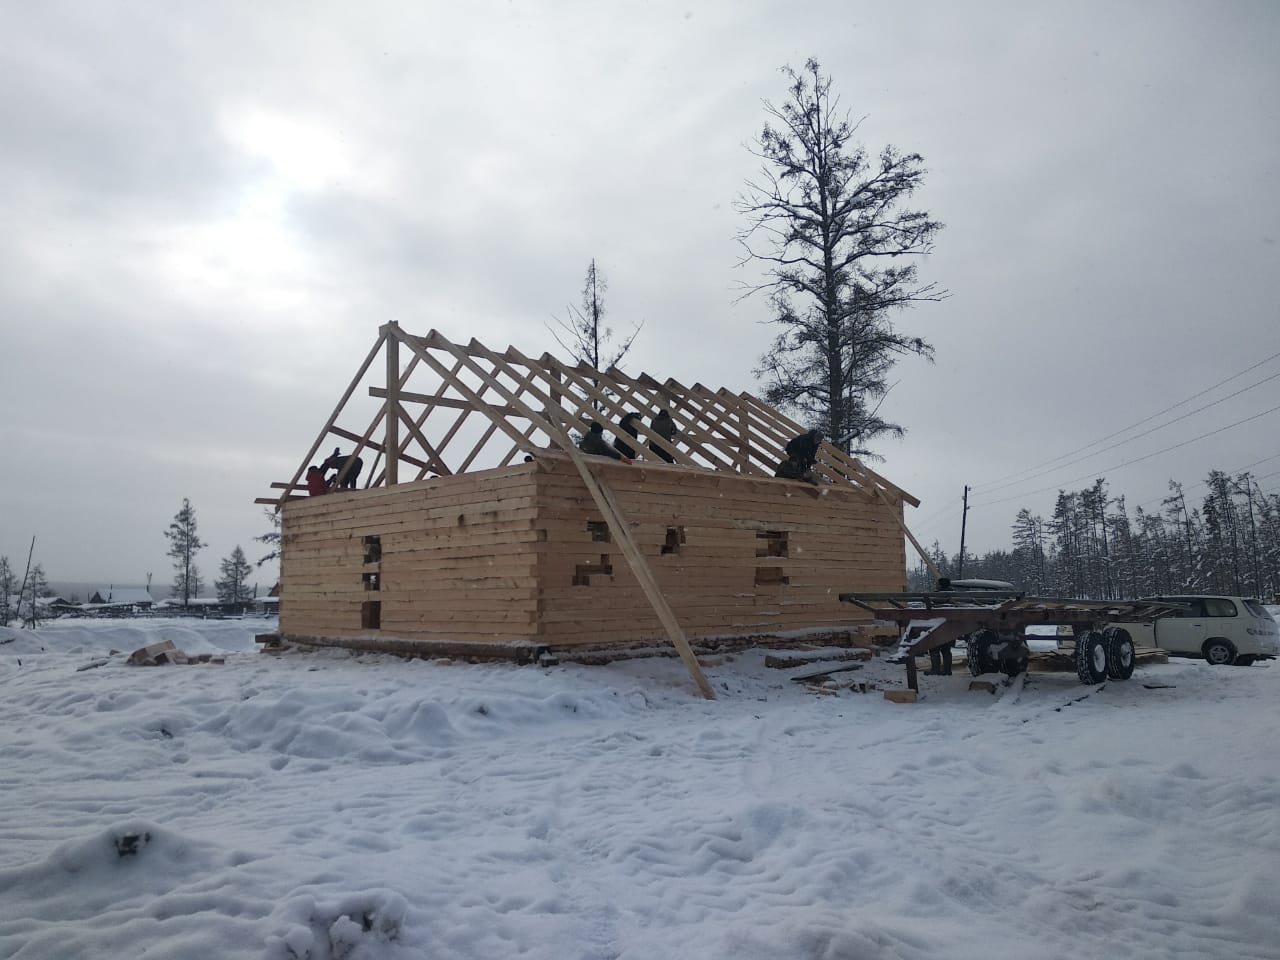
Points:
[[521, 554], [450, 558], [733, 555]]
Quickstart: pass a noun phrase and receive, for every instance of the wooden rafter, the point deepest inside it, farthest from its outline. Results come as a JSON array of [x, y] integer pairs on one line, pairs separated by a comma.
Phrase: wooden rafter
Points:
[[718, 429]]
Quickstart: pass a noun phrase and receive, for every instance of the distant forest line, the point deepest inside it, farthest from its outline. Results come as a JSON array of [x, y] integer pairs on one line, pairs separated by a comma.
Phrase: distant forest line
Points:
[[1092, 547]]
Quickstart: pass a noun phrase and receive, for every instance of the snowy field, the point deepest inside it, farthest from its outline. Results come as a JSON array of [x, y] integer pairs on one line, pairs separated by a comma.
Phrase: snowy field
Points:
[[325, 806]]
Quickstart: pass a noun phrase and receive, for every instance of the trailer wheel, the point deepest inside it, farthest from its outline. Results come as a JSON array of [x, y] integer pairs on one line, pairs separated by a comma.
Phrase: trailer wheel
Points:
[[1120, 653], [1091, 657], [978, 646]]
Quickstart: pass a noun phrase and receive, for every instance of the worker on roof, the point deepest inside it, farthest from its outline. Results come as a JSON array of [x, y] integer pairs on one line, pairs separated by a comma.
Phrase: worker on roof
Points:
[[665, 427], [804, 448], [316, 483], [628, 426], [790, 469], [594, 443], [347, 468]]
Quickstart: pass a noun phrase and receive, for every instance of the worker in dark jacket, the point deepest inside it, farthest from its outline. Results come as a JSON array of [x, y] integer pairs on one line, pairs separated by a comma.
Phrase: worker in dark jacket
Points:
[[790, 469], [665, 427], [804, 448], [347, 467], [594, 443], [626, 425]]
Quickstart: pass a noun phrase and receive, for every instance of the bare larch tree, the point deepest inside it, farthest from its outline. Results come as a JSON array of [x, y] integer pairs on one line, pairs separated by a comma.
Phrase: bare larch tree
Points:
[[828, 223], [588, 337]]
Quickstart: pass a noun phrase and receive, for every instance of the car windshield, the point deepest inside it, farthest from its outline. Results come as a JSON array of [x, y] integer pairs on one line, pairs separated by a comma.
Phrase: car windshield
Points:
[[1258, 610]]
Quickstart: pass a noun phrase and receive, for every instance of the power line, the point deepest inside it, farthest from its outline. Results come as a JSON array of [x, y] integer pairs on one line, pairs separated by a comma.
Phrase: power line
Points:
[[1202, 483], [1136, 436], [1000, 480], [1094, 473], [948, 508]]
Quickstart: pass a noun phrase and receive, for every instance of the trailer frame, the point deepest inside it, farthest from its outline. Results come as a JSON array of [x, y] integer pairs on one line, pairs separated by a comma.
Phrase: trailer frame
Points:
[[993, 623]]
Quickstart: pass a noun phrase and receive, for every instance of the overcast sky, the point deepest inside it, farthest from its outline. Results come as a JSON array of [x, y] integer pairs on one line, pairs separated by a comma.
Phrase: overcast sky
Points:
[[209, 209]]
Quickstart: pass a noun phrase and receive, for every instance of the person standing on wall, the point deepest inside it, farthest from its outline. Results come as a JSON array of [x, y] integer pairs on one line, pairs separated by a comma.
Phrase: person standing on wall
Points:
[[665, 427]]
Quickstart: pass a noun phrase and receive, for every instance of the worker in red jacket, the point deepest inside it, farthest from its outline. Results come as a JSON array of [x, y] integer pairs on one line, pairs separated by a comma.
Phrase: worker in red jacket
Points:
[[316, 483]]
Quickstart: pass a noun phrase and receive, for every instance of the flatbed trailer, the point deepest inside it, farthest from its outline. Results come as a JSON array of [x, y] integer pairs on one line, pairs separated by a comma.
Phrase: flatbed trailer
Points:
[[993, 624]]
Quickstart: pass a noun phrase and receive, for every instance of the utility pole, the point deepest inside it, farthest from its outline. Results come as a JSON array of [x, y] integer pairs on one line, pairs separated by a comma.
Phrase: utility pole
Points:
[[964, 517]]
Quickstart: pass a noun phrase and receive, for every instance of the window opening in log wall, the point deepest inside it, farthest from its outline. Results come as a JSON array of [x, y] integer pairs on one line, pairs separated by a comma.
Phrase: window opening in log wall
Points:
[[771, 577], [675, 539], [371, 615], [371, 581], [583, 572], [599, 530], [373, 549], [772, 543]]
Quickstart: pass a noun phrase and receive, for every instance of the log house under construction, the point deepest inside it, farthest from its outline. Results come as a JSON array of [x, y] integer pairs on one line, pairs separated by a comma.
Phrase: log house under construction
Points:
[[480, 528]]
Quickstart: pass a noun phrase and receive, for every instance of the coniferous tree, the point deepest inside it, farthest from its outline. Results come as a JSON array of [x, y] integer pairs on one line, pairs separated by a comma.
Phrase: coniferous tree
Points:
[[235, 569], [829, 224], [1187, 523], [1269, 530], [8, 584], [1124, 563], [37, 586], [588, 336], [1065, 528], [1228, 545], [1244, 485], [940, 560], [271, 537], [183, 545], [1220, 566], [1154, 555], [1029, 554]]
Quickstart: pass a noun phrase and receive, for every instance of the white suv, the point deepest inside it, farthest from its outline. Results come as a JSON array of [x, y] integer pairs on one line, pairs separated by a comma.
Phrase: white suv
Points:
[[1219, 629]]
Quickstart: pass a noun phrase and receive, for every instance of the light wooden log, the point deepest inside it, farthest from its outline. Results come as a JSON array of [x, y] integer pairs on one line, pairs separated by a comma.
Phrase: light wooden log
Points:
[[392, 412]]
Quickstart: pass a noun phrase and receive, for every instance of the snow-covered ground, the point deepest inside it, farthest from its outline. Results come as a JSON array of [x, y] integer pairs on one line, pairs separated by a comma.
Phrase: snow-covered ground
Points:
[[323, 806]]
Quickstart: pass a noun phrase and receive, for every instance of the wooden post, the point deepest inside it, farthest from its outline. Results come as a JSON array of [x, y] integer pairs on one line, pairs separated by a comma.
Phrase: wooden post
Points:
[[392, 445]]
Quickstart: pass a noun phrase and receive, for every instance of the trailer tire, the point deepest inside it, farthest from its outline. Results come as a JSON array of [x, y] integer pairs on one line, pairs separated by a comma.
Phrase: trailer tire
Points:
[[1120, 653], [1092, 658], [978, 646]]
